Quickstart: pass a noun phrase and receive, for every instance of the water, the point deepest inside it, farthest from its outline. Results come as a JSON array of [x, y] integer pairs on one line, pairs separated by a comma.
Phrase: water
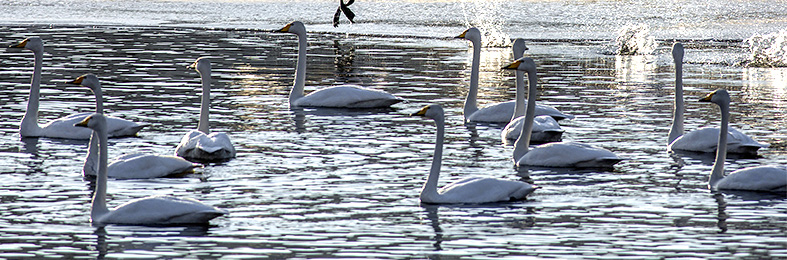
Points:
[[319, 183]]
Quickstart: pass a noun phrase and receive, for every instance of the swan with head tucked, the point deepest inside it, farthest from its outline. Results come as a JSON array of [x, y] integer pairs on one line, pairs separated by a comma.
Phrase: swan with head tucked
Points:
[[560, 154], [545, 128], [153, 210], [501, 112], [130, 166], [468, 190], [703, 139], [201, 144], [61, 127], [761, 178], [345, 96]]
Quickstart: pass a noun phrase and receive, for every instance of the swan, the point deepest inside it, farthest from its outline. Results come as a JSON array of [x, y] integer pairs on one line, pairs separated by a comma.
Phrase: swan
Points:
[[561, 154], [761, 178], [545, 128], [345, 96], [201, 144], [152, 210], [703, 139], [501, 112], [468, 190], [61, 127], [131, 166]]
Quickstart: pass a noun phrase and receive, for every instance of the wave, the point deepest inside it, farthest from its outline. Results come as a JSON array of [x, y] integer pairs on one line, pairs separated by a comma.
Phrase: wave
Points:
[[769, 50]]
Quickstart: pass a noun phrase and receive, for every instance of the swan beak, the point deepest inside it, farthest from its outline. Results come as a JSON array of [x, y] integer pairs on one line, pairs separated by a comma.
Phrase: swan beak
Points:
[[513, 66], [192, 66], [462, 36], [707, 98], [77, 81], [286, 28], [19, 45], [421, 112], [84, 122]]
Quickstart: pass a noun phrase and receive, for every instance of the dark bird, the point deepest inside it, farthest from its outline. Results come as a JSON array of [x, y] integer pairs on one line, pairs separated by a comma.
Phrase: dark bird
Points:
[[343, 8]]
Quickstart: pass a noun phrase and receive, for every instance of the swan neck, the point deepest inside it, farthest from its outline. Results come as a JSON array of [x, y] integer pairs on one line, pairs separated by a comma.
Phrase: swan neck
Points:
[[30, 119], [677, 113], [523, 142], [99, 207], [204, 113], [300, 70], [99, 99], [721, 149], [472, 95], [519, 103], [430, 187], [91, 159]]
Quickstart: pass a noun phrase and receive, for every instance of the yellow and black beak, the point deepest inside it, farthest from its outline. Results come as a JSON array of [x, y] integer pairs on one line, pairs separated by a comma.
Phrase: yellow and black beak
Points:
[[19, 45], [462, 36], [192, 66], [77, 81], [514, 65], [708, 97], [84, 122], [285, 29], [421, 112]]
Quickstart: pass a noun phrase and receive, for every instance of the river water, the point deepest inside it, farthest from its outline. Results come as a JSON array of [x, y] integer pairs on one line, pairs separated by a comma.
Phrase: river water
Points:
[[322, 183]]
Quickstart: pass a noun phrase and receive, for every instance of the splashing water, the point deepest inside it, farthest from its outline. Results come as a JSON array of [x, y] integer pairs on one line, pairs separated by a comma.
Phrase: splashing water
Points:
[[635, 40], [768, 50], [485, 15]]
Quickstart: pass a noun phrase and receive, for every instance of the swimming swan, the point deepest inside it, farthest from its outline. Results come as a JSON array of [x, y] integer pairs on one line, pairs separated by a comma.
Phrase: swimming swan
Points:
[[61, 127], [761, 178], [545, 128], [703, 139], [201, 144], [130, 166], [468, 190], [562, 154], [501, 112], [345, 96], [153, 210]]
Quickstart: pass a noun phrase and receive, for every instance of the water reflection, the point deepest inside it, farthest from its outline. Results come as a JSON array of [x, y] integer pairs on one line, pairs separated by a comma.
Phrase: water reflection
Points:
[[722, 212], [633, 70], [434, 221]]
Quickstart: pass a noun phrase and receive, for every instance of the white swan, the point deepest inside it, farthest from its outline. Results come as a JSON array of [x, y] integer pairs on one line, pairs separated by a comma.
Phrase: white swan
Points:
[[345, 96], [562, 154], [153, 210], [468, 190], [501, 112], [61, 127], [130, 166], [201, 144], [703, 139], [762, 178], [545, 128]]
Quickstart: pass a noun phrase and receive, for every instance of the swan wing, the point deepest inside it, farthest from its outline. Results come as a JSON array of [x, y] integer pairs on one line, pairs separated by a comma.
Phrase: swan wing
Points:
[[143, 166], [503, 111], [161, 210], [348, 96], [568, 154], [483, 190], [761, 178], [197, 145], [64, 127], [706, 139], [545, 129]]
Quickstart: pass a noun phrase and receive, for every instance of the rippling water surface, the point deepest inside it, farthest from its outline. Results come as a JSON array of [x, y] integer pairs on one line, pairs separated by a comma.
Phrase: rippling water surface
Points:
[[328, 183]]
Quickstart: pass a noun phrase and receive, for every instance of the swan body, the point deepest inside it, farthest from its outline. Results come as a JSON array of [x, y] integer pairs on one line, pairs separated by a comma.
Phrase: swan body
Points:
[[153, 210], [61, 127], [704, 139], [545, 128], [472, 190], [501, 112], [562, 154], [762, 178], [345, 96], [133, 166], [201, 144]]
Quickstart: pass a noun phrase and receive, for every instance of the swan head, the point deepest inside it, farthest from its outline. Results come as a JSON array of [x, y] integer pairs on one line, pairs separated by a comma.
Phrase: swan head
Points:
[[519, 48], [201, 65], [31, 43], [719, 97], [677, 52], [433, 111], [295, 27], [96, 121], [523, 64], [88, 80], [472, 34]]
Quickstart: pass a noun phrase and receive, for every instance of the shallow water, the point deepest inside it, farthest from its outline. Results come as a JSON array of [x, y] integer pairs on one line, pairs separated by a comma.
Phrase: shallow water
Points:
[[321, 183]]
